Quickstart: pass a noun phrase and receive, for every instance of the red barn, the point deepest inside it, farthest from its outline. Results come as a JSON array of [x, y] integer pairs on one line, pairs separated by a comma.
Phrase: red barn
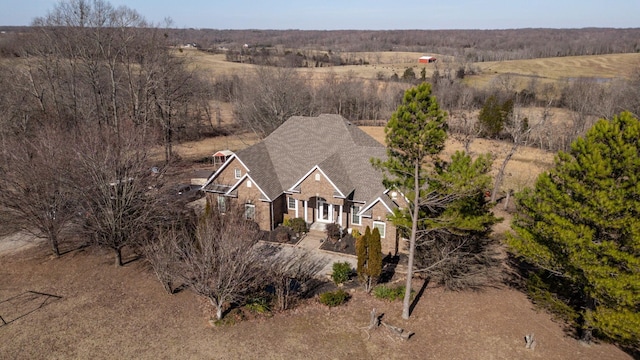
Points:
[[426, 59]]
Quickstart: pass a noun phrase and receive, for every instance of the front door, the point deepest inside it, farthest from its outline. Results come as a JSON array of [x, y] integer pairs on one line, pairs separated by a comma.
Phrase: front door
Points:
[[325, 211]]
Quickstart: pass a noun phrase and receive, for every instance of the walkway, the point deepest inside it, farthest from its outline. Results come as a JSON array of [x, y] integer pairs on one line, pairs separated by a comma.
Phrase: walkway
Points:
[[311, 243]]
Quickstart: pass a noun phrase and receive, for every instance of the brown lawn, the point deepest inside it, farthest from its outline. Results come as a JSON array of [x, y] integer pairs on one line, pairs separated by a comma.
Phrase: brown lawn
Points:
[[106, 312]]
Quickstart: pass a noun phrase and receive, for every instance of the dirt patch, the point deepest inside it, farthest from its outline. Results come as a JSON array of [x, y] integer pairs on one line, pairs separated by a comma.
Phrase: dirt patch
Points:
[[106, 312]]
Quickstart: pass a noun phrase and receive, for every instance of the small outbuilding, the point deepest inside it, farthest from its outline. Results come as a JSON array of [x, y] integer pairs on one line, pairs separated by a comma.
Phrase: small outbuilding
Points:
[[426, 59], [221, 157]]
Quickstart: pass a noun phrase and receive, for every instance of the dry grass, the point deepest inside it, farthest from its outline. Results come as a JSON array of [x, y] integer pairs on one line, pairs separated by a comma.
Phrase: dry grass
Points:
[[521, 171], [559, 69], [387, 63], [198, 150], [107, 312]]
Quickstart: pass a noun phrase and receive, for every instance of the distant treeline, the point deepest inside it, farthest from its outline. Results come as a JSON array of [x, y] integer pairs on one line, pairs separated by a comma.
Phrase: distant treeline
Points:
[[472, 45]]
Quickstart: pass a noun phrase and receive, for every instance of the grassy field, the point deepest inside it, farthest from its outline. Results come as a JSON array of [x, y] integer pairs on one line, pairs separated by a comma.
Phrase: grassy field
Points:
[[387, 63]]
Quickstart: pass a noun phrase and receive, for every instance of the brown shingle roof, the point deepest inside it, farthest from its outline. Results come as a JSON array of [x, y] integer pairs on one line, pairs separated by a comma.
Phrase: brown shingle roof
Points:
[[340, 149]]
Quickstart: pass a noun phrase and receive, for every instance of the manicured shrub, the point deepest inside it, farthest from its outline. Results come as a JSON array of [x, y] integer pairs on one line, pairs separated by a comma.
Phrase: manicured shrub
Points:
[[334, 298], [333, 231], [298, 225], [282, 237], [389, 293], [341, 272]]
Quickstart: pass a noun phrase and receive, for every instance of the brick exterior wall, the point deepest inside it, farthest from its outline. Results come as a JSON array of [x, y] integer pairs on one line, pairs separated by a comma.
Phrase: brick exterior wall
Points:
[[390, 242], [269, 215], [227, 176], [245, 193], [310, 190]]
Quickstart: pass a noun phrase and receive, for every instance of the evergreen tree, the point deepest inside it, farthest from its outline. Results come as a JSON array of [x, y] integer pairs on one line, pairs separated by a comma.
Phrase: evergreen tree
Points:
[[494, 116], [374, 264], [409, 74], [443, 197], [414, 135], [579, 226], [456, 250], [363, 256], [369, 253]]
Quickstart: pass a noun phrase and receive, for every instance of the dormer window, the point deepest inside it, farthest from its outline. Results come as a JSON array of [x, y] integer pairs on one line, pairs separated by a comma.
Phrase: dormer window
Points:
[[238, 173]]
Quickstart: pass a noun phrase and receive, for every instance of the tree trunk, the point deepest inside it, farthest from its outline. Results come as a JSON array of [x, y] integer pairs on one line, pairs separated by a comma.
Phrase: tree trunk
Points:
[[218, 305], [500, 175], [406, 304], [506, 201], [586, 330], [118, 257], [218, 310], [167, 286], [54, 245]]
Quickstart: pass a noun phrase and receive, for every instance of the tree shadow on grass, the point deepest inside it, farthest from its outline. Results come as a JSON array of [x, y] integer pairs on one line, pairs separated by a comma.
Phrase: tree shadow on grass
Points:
[[23, 304], [389, 265], [418, 296]]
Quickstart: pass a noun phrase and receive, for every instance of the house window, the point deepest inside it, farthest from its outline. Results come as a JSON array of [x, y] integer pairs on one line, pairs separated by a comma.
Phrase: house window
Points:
[[237, 173], [222, 204], [249, 211], [249, 184], [394, 195], [293, 204], [317, 177], [381, 226], [355, 219]]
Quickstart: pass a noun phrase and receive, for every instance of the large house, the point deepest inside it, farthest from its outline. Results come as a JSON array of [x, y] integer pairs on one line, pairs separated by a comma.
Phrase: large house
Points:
[[315, 168]]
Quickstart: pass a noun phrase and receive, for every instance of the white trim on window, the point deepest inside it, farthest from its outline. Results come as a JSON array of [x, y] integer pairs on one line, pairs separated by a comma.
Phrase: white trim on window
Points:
[[317, 177], [355, 218], [237, 173], [382, 227], [292, 201], [249, 184], [249, 211]]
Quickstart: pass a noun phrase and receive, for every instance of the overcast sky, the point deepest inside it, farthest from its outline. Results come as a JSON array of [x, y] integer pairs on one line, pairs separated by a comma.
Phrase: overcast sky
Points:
[[362, 14]]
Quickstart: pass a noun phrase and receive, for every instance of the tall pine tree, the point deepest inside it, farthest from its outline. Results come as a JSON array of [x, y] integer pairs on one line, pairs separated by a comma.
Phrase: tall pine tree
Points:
[[579, 226], [415, 134], [441, 195]]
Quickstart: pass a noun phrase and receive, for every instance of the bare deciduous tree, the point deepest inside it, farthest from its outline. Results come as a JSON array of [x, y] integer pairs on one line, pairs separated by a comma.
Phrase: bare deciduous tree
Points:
[[221, 262], [35, 186], [519, 129], [292, 276], [160, 252], [270, 96], [119, 191]]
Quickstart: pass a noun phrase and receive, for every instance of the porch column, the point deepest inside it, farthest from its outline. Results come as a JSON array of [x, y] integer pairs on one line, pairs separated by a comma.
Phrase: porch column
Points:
[[304, 202], [297, 206], [340, 215]]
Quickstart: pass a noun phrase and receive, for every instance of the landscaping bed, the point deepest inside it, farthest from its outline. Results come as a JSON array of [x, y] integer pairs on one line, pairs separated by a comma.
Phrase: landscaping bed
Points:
[[345, 245]]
